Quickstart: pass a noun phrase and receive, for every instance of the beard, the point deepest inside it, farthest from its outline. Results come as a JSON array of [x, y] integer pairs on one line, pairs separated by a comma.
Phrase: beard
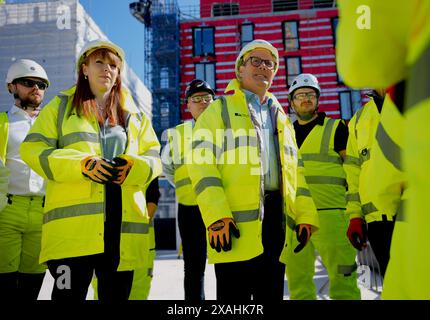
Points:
[[306, 116], [29, 101]]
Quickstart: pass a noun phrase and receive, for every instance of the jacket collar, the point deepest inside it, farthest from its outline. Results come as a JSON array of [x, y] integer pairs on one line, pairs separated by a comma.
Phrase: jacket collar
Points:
[[126, 99], [234, 85]]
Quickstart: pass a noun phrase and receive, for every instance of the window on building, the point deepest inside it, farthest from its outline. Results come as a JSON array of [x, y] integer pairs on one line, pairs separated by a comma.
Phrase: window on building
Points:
[[350, 102], [291, 35], [294, 68], [334, 23], [206, 71], [285, 5], [203, 40], [324, 3], [164, 78], [246, 33], [225, 9], [164, 115]]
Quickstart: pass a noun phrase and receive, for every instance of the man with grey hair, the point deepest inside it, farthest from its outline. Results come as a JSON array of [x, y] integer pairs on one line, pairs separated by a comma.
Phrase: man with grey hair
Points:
[[248, 199]]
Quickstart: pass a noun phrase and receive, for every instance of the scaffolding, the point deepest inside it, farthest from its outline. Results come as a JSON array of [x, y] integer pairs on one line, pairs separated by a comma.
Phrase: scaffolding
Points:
[[161, 59]]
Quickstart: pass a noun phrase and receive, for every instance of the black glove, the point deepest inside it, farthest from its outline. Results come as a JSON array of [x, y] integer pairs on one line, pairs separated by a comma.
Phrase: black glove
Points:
[[220, 234], [122, 167], [303, 232]]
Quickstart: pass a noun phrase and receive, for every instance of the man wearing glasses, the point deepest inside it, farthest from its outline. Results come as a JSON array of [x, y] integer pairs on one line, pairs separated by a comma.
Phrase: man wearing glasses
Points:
[[22, 194], [198, 95], [322, 142], [248, 180]]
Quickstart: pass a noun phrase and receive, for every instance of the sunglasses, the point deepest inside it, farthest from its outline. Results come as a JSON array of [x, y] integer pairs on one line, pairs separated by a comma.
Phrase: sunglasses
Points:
[[256, 62], [205, 98], [30, 83]]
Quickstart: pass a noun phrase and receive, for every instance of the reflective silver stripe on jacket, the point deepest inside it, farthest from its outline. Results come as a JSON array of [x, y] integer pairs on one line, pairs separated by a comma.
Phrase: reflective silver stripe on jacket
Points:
[[73, 211], [359, 112], [303, 192], [134, 227], [245, 216], [323, 155], [400, 213], [202, 144], [418, 81], [368, 208], [60, 118], [353, 197], [389, 148], [206, 183], [76, 137], [325, 141], [44, 162], [182, 182], [37, 137], [291, 223], [352, 161], [325, 180], [321, 158]]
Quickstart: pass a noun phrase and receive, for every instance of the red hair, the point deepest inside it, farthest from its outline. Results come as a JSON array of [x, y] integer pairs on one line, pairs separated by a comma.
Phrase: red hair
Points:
[[84, 101]]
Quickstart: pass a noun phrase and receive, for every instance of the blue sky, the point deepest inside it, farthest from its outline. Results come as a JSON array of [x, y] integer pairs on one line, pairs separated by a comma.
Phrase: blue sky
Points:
[[114, 19]]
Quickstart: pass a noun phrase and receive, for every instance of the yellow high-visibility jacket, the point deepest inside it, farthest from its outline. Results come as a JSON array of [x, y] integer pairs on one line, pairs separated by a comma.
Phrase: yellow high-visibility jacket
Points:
[[385, 178], [324, 172], [180, 140], [4, 171], [362, 130], [4, 134], [225, 167], [74, 213], [401, 32]]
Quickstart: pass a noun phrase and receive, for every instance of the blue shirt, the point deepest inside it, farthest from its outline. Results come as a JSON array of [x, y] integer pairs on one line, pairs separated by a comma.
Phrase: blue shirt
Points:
[[270, 158], [113, 139]]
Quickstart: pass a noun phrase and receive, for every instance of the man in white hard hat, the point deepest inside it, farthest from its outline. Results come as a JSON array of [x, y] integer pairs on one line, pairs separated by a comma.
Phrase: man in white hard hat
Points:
[[250, 182], [322, 143], [22, 194]]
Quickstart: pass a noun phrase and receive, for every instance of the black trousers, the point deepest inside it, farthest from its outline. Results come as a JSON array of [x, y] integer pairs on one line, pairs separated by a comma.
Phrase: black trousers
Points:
[[262, 277], [380, 234], [73, 276], [112, 285], [193, 235], [20, 286]]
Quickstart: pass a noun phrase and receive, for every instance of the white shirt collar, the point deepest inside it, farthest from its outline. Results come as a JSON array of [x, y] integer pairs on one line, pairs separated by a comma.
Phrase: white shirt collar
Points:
[[14, 110]]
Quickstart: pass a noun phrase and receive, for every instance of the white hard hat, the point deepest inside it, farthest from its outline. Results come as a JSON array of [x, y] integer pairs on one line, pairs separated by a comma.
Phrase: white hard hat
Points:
[[25, 68], [256, 44], [304, 80], [99, 44]]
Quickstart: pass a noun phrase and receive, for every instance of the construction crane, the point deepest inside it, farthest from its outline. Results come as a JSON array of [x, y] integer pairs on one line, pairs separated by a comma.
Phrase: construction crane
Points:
[[142, 11]]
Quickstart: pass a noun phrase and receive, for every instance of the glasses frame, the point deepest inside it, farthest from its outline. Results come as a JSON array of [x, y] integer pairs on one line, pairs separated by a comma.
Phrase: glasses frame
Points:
[[305, 95], [29, 83], [266, 62], [202, 98]]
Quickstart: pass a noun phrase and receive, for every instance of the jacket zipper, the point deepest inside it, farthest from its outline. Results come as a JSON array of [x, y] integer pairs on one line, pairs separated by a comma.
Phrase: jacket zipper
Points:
[[102, 137]]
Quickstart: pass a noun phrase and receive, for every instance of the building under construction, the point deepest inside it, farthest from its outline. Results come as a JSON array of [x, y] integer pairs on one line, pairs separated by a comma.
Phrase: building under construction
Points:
[[52, 32], [161, 37], [161, 75]]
